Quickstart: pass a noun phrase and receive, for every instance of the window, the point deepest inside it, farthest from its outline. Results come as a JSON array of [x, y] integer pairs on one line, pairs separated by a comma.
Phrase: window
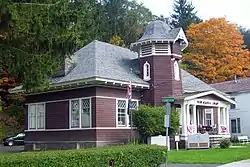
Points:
[[122, 114], [176, 71], [36, 116], [232, 106], [235, 125], [80, 113], [146, 71], [208, 117]]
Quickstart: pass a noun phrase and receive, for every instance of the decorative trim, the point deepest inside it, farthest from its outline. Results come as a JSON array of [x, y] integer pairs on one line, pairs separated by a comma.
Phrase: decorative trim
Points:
[[86, 81], [181, 35], [64, 100], [81, 129], [208, 93]]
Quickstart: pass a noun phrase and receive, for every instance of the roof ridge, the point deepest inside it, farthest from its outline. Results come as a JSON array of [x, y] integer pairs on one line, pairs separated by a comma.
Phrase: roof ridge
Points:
[[231, 81]]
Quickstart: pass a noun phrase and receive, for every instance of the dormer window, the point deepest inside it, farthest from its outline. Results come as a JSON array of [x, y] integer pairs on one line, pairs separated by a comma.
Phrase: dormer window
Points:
[[176, 71], [146, 71]]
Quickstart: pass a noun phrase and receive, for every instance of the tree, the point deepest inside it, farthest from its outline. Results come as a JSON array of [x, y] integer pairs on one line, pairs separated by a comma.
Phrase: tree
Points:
[[216, 51], [39, 35], [246, 36], [184, 14], [116, 40], [150, 121], [124, 18]]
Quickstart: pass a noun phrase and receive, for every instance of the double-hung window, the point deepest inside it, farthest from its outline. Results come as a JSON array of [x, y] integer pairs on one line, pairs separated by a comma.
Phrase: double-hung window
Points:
[[36, 116], [122, 111], [80, 113], [235, 125]]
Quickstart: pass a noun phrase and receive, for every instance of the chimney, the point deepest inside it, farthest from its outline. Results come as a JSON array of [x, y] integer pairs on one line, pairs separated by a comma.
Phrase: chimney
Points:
[[235, 78]]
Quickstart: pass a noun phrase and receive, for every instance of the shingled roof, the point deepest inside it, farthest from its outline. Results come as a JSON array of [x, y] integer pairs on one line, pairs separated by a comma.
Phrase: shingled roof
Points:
[[103, 60], [238, 86]]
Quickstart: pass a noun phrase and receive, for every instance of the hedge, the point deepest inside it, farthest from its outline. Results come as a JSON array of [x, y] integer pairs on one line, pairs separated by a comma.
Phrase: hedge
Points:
[[123, 156]]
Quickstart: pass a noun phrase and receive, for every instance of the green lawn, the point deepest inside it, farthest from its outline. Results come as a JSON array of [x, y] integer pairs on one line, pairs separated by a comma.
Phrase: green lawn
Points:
[[210, 156]]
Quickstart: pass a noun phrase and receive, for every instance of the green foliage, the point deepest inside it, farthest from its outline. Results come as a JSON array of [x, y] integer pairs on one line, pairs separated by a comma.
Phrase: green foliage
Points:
[[123, 156], [184, 14], [36, 36], [150, 121], [246, 36], [225, 143]]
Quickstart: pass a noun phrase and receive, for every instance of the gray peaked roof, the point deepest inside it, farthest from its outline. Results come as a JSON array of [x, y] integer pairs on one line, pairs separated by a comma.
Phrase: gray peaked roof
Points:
[[158, 30], [103, 60], [99, 59]]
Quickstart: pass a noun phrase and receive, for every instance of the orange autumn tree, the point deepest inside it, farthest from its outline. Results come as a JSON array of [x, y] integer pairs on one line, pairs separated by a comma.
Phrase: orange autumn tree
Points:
[[216, 51]]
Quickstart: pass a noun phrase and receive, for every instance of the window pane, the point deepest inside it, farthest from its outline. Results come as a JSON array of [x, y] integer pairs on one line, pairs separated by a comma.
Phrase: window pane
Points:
[[233, 126], [238, 125], [40, 116], [75, 116], [32, 116], [121, 105], [85, 113]]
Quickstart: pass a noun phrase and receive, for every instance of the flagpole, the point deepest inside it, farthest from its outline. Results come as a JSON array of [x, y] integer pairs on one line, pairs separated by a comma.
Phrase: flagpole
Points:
[[130, 111]]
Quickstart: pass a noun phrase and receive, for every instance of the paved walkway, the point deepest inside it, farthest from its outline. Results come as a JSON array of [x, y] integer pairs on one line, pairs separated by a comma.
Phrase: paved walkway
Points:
[[190, 165], [245, 163]]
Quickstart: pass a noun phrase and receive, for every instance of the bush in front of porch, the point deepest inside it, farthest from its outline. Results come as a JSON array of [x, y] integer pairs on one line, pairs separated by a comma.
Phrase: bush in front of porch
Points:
[[118, 156], [149, 121]]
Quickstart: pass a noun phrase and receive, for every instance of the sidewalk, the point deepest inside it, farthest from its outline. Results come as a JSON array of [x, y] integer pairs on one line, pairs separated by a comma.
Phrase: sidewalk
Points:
[[189, 165], [245, 163]]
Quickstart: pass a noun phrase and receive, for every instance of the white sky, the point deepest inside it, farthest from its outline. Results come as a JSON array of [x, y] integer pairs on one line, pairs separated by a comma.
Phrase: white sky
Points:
[[236, 11]]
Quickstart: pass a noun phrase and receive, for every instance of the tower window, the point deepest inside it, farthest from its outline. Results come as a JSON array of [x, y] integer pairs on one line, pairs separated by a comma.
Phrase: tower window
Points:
[[146, 71], [176, 71]]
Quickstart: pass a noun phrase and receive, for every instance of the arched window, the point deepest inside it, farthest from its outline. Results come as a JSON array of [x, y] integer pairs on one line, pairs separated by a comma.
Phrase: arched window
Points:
[[146, 71], [176, 71]]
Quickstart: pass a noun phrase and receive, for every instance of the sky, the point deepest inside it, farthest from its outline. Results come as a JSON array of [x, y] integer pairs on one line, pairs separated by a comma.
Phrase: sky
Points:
[[236, 11]]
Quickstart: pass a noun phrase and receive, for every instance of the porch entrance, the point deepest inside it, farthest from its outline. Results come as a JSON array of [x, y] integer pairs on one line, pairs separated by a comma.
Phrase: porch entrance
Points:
[[200, 118]]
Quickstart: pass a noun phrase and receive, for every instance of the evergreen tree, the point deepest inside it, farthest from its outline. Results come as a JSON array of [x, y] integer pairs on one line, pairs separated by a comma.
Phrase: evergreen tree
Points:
[[184, 14]]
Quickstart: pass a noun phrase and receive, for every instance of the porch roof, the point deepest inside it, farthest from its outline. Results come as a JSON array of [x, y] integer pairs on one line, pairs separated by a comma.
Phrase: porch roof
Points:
[[195, 95]]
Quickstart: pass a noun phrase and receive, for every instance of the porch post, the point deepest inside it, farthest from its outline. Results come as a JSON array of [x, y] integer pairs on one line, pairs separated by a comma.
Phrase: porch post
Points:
[[188, 114], [184, 119], [218, 117], [224, 116], [194, 114], [227, 120]]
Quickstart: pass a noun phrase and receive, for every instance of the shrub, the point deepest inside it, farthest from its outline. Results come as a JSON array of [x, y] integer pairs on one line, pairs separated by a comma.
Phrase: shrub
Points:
[[225, 143], [150, 121], [123, 156]]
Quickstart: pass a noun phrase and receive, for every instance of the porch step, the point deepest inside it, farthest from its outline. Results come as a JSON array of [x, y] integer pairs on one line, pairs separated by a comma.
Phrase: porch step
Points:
[[215, 140]]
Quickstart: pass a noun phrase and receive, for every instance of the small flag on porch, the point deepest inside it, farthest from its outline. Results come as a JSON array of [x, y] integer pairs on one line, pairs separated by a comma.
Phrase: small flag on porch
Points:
[[129, 95]]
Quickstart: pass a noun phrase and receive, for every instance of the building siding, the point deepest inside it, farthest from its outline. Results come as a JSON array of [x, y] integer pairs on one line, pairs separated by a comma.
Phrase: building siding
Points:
[[57, 115], [103, 105], [162, 79]]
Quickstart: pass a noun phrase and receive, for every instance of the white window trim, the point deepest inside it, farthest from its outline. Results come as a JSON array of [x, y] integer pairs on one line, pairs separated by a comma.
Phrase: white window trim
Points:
[[145, 76], [209, 111], [236, 125], [80, 109], [44, 120], [176, 71], [127, 116]]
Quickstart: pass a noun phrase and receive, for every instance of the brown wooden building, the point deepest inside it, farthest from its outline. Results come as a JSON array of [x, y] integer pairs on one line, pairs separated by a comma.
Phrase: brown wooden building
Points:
[[86, 104]]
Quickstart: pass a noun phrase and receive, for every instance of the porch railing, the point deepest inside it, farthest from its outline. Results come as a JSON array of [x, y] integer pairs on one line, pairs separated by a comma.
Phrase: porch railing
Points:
[[209, 129]]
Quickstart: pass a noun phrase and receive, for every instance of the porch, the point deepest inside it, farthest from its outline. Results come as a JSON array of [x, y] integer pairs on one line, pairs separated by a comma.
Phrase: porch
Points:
[[204, 116]]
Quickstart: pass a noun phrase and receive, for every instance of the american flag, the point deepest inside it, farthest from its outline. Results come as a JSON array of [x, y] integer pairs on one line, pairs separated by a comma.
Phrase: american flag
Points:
[[129, 95], [129, 91]]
